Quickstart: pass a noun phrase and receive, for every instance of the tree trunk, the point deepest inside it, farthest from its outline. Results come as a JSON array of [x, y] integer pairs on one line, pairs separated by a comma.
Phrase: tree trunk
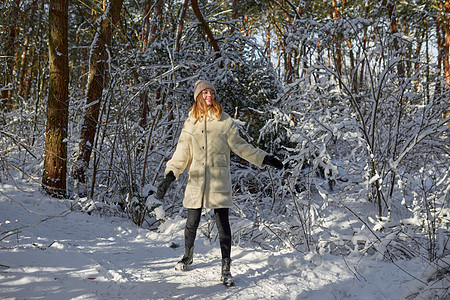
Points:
[[157, 15], [97, 79], [353, 71], [55, 161], [446, 48], [145, 24], [440, 55], [335, 14], [180, 25], [288, 67], [205, 27], [150, 35], [420, 39], [394, 30], [363, 50], [10, 46], [24, 68], [267, 41], [143, 100], [234, 14], [446, 44]]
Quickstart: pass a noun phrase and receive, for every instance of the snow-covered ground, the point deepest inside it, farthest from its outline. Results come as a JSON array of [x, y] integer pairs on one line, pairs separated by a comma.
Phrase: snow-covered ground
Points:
[[55, 253]]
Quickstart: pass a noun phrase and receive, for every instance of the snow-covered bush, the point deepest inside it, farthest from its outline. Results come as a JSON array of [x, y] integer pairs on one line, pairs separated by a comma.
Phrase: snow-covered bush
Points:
[[364, 142]]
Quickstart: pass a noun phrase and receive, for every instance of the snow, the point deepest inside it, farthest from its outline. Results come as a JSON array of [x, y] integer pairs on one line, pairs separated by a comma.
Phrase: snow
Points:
[[59, 253]]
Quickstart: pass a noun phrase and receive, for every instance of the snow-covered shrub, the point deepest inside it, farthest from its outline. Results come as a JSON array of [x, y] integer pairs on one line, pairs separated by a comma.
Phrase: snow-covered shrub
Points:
[[364, 141]]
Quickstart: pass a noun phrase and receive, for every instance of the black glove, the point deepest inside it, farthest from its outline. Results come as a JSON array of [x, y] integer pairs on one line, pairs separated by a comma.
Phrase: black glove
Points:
[[164, 185], [273, 162]]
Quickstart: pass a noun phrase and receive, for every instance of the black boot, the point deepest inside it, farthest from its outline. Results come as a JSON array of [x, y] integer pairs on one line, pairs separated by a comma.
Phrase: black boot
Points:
[[186, 260], [226, 278]]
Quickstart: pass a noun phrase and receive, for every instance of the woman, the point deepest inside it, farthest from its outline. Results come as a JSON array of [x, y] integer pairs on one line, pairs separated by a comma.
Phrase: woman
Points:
[[204, 148]]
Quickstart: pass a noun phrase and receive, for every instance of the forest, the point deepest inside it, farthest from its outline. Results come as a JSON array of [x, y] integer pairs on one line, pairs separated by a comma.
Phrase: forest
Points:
[[352, 96]]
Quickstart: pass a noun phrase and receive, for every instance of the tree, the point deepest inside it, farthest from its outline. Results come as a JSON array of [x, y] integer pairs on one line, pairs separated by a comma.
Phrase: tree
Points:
[[205, 27], [6, 100], [445, 27], [96, 82], [180, 26], [55, 162], [151, 27]]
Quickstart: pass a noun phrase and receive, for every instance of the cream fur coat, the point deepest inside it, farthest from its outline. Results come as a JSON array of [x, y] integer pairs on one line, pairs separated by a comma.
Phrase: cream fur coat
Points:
[[204, 148]]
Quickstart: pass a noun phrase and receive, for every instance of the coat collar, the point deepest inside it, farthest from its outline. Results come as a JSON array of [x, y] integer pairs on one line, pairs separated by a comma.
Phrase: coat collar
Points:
[[209, 118]]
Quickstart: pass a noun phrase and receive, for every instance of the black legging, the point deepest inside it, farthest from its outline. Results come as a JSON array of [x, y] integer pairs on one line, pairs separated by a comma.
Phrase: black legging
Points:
[[223, 226]]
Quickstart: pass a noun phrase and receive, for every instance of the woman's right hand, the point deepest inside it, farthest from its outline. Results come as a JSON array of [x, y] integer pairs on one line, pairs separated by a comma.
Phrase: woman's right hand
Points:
[[164, 185], [273, 162]]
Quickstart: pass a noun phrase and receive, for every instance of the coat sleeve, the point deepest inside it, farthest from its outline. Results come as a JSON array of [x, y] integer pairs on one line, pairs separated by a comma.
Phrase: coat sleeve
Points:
[[182, 155], [245, 150]]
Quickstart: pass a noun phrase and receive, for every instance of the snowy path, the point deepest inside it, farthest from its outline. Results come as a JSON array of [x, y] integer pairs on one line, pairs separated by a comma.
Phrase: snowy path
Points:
[[91, 257]]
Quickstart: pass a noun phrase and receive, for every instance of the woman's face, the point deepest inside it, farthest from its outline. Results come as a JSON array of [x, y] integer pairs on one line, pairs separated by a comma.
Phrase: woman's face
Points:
[[208, 95]]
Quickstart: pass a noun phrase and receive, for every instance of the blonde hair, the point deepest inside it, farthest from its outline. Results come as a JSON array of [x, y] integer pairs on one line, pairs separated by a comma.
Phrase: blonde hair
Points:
[[199, 110]]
